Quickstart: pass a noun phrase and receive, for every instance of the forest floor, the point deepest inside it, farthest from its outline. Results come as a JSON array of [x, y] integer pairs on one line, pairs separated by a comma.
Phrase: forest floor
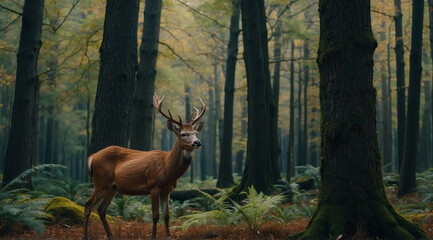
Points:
[[408, 206]]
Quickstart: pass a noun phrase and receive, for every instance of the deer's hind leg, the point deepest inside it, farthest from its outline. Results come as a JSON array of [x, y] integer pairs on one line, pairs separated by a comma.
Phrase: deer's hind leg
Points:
[[97, 195], [102, 209]]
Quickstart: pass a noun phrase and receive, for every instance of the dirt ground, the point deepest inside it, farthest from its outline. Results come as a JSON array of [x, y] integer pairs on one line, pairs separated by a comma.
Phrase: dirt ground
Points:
[[137, 230]]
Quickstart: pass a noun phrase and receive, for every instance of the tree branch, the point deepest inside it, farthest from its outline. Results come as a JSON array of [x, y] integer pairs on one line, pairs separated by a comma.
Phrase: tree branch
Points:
[[183, 60], [66, 17], [203, 15], [10, 10]]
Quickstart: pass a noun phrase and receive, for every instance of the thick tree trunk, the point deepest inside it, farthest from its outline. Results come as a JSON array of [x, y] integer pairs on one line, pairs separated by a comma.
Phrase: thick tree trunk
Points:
[[257, 167], [314, 122], [20, 143], [430, 13], [142, 114], [407, 179], [401, 88], [113, 104], [352, 201], [225, 177]]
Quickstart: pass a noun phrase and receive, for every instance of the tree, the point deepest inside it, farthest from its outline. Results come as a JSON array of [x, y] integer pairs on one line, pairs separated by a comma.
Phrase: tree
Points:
[[142, 117], [112, 114], [407, 179], [401, 89], [352, 200], [225, 177], [258, 167], [21, 136], [290, 150]]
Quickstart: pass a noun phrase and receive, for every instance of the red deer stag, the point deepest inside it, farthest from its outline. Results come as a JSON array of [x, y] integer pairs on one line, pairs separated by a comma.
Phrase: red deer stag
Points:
[[117, 169]]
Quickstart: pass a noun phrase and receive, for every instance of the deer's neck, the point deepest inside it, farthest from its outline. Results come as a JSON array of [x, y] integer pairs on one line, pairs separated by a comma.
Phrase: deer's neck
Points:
[[179, 160]]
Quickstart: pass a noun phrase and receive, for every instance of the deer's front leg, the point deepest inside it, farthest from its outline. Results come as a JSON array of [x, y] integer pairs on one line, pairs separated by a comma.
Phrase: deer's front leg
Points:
[[154, 197], [165, 209]]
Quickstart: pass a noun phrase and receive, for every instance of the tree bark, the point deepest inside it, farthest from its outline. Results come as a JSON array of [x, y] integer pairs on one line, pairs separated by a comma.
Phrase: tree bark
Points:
[[142, 114], [225, 177], [257, 170], [305, 119], [425, 136], [290, 152], [407, 179], [20, 143], [352, 201], [113, 104], [401, 88]]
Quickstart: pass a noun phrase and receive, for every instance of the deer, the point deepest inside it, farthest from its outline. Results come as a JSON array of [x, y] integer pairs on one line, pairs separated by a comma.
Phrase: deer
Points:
[[133, 172]]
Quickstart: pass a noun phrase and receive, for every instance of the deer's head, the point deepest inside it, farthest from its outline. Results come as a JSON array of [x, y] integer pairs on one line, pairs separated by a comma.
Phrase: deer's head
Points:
[[187, 133]]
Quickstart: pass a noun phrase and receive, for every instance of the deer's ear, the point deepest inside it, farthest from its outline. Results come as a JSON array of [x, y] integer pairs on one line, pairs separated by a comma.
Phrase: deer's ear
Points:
[[199, 126], [173, 127]]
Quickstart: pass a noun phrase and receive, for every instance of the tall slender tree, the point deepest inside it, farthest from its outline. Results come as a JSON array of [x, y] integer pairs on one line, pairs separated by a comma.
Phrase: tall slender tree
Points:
[[225, 177], [407, 179], [118, 53], [401, 89], [142, 113], [290, 150], [21, 135], [258, 169], [352, 201]]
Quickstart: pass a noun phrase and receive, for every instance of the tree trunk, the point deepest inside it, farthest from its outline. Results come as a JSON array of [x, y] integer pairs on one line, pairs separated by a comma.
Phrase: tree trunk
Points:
[[113, 104], [142, 113], [425, 136], [20, 143], [257, 170], [314, 122], [300, 158], [225, 177], [212, 134], [401, 88], [290, 152], [407, 172], [305, 120], [274, 145], [352, 201], [430, 13]]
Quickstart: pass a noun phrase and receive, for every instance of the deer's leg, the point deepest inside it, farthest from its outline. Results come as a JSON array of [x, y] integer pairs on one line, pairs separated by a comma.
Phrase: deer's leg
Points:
[[94, 199], [154, 196], [165, 209], [102, 210]]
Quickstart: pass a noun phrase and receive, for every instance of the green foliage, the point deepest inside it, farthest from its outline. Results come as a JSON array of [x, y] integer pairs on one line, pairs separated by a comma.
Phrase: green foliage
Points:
[[54, 183], [425, 186], [223, 213], [22, 208], [131, 208], [309, 171], [255, 210], [258, 209]]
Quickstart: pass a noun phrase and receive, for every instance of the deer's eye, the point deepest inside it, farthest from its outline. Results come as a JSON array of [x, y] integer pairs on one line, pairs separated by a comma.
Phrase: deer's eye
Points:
[[183, 134]]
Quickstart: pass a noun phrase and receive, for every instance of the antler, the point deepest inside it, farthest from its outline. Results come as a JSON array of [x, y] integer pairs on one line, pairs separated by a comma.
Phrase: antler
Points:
[[157, 103], [198, 114]]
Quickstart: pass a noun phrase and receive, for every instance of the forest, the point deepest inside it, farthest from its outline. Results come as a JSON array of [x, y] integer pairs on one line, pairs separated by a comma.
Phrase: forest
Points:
[[216, 119]]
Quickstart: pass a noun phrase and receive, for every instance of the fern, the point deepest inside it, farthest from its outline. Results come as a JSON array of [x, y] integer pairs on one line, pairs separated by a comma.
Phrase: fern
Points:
[[222, 214], [21, 207], [258, 209], [255, 211]]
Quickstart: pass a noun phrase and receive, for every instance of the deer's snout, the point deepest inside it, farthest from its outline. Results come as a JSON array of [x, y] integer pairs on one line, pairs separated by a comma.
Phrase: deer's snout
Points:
[[196, 144]]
